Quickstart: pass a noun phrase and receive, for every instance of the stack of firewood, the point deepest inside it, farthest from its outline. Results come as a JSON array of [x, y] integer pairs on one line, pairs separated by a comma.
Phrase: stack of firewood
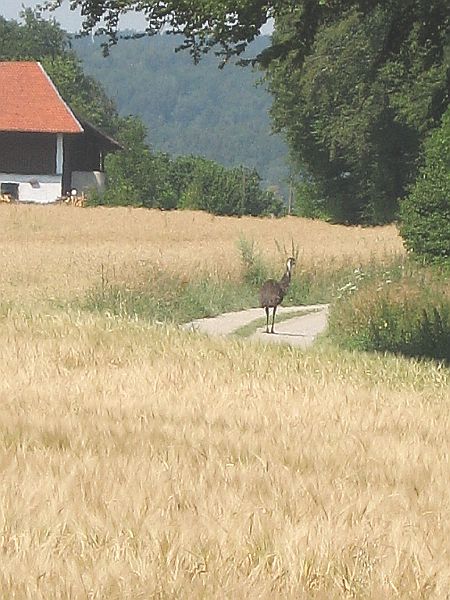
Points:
[[76, 199]]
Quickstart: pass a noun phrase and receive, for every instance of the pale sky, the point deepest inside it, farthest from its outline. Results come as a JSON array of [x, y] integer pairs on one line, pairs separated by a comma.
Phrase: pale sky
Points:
[[69, 20]]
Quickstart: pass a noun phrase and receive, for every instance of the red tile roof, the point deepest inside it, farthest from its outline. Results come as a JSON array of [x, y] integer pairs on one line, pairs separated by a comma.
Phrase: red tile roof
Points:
[[29, 101]]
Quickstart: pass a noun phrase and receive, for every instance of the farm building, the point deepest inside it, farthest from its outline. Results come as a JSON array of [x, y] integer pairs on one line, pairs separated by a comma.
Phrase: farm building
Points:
[[45, 150]]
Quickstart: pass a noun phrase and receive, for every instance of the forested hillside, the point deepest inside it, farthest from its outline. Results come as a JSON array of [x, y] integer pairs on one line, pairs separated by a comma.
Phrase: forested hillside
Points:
[[191, 109]]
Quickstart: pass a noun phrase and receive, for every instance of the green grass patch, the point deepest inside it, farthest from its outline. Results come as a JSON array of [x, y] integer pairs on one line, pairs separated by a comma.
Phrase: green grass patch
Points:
[[168, 299], [405, 312]]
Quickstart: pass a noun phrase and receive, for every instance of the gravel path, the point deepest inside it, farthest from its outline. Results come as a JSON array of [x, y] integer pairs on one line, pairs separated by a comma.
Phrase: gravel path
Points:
[[300, 330]]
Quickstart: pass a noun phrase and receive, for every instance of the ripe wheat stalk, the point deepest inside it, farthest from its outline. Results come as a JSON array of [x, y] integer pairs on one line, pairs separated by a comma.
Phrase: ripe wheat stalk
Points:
[[139, 461]]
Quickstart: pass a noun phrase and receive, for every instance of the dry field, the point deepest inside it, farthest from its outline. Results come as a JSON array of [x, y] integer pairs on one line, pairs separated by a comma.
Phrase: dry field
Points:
[[61, 250], [140, 461]]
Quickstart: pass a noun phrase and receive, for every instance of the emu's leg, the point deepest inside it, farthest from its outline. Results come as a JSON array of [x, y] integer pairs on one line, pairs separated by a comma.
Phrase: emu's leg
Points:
[[267, 319], [273, 318]]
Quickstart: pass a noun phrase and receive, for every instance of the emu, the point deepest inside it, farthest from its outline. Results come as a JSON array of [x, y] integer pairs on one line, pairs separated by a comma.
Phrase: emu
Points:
[[272, 292]]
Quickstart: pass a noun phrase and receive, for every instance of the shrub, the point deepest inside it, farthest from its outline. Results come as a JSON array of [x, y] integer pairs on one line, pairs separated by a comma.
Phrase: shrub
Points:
[[309, 202], [408, 312], [139, 177], [226, 191], [425, 213], [255, 271]]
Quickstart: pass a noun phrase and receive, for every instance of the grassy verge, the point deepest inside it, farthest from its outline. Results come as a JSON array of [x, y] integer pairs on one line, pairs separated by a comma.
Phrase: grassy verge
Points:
[[169, 299], [406, 311], [173, 299]]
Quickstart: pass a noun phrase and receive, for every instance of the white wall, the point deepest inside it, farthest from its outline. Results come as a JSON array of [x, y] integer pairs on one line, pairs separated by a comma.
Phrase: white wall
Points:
[[41, 189], [83, 181]]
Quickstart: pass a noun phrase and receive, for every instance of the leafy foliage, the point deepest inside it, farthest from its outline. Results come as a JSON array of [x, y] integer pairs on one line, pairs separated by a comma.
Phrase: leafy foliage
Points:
[[357, 100], [406, 311], [425, 212], [222, 115], [222, 191], [203, 24], [32, 40], [357, 84]]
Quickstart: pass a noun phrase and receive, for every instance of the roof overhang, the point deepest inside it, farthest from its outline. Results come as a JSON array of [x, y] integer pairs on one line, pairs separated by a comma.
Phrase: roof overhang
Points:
[[106, 142]]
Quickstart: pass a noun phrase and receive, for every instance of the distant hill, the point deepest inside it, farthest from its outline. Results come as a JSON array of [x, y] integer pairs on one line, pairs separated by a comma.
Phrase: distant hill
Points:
[[191, 109]]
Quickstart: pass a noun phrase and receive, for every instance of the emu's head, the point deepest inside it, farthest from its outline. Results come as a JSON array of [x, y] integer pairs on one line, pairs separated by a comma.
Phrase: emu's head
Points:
[[290, 264]]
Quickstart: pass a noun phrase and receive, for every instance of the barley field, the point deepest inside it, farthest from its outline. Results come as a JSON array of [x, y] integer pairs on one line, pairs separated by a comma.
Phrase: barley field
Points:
[[141, 461], [59, 251]]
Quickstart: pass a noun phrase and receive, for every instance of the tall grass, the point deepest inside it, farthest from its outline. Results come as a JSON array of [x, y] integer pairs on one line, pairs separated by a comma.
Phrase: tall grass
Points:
[[255, 270], [406, 311], [141, 461], [144, 462], [159, 296], [168, 299]]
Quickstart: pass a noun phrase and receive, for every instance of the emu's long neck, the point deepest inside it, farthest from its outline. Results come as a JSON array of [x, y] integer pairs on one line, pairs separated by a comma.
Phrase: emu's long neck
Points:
[[286, 279]]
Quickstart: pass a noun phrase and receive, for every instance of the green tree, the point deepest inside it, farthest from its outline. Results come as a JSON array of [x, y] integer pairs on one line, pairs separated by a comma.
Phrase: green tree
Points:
[[357, 84], [370, 85], [35, 39], [45, 41], [136, 175], [129, 178], [425, 212]]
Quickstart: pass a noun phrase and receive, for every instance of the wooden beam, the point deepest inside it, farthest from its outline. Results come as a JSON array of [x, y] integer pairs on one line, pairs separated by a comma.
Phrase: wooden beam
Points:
[[59, 153]]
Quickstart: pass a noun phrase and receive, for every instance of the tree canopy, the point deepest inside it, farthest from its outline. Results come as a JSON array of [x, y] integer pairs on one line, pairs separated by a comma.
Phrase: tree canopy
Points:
[[357, 84], [357, 104], [190, 109]]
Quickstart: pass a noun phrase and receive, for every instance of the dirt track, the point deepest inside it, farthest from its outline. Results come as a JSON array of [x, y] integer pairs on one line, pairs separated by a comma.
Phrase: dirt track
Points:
[[300, 330]]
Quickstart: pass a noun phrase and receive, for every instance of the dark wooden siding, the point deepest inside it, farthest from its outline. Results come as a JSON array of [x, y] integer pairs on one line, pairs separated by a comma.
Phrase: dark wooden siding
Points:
[[28, 153], [81, 153]]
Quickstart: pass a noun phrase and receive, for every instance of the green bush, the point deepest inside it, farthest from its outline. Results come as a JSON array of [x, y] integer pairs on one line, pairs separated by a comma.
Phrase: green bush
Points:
[[255, 271], [425, 213], [139, 177], [223, 191], [309, 202], [405, 312]]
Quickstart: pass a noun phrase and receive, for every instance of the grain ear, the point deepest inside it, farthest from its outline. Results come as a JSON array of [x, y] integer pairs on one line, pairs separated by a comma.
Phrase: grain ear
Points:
[[285, 253], [295, 250], [281, 250]]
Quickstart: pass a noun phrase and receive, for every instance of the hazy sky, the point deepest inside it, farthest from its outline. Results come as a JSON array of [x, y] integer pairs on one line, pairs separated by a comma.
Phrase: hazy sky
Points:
[[70, 20]]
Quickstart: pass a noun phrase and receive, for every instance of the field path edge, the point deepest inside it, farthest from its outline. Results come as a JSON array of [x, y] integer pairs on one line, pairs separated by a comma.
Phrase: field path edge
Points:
[[300, 330]]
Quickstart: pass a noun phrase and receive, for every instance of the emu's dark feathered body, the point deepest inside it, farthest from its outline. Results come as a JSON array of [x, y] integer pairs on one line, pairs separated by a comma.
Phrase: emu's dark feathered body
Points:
[[272, 293]]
